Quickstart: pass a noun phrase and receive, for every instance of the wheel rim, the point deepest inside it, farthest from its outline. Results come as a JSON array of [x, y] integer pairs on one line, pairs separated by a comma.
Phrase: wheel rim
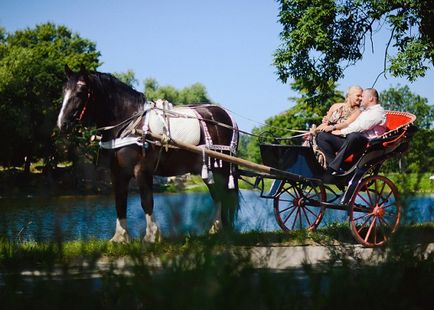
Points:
[[292, 208], [375, 211]]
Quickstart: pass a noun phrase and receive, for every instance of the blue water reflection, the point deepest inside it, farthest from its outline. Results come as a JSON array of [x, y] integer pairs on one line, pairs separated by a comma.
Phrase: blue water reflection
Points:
[[85, 217]]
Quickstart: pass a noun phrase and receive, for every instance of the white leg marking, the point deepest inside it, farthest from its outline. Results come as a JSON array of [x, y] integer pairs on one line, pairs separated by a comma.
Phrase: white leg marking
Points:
[[121, 233], [152, 232], [62, 110], [217, 226]]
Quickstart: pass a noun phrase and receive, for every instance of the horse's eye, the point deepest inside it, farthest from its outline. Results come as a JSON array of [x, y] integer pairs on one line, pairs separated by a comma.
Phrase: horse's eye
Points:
[[81, 89]]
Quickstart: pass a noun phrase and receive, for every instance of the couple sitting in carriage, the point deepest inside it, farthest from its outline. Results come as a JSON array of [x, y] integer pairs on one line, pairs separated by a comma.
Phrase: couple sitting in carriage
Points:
[[348, 127]]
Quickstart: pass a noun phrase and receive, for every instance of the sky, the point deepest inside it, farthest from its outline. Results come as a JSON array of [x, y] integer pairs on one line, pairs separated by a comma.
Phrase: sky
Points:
[[225, 45]]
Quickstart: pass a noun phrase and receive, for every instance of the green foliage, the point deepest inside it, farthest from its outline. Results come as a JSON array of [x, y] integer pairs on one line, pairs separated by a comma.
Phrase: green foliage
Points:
[[402, 99], [195, 93], [31, 78], [419, 158], [321, 38], [287, 124], [128, 77]]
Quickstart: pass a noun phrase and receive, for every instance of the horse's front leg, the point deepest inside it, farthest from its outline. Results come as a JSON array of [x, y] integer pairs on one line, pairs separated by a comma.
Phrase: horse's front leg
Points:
[[144, 182], [120, 186]]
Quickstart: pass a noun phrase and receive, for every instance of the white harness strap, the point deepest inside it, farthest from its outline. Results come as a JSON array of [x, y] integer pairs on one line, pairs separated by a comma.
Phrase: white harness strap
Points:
[[120, 142]]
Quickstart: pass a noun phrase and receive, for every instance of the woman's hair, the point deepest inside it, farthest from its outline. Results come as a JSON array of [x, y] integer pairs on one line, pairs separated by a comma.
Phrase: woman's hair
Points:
[[351, 89]]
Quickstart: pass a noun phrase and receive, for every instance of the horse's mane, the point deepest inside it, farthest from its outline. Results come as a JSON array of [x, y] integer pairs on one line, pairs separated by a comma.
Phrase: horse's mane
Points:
[[108, 83]]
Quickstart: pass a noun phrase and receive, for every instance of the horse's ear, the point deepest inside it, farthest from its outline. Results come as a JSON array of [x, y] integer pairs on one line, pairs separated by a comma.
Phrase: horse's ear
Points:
[[68, 71]]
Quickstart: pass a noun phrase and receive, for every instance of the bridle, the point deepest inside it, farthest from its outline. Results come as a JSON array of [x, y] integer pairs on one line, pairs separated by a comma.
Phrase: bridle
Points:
[[89, 95]]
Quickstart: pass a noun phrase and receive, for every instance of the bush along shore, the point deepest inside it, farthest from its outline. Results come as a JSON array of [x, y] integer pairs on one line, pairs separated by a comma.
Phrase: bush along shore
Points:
[[88, 179]]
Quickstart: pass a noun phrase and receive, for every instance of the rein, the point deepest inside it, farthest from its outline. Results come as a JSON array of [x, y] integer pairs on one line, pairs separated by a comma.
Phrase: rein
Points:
[[175, 114]]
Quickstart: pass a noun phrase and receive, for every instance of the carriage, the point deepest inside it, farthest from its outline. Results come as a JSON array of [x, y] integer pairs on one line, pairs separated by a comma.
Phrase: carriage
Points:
[[301, 189]]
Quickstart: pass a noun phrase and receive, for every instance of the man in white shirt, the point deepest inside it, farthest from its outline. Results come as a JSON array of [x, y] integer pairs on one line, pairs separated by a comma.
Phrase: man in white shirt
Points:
[[354, 138]]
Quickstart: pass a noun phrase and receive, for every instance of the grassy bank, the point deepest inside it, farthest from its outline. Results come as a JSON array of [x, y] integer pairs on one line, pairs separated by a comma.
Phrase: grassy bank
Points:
[[28, 253], [210, 272]]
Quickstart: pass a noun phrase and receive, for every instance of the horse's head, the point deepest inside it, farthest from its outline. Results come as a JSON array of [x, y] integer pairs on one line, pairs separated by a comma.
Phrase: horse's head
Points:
[[76, 96]]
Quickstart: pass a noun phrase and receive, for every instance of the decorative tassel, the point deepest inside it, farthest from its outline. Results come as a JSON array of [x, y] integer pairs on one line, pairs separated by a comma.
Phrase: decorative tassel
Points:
[[204, 173], [221, 163], [216, 164], [210, 177], [231, 183]]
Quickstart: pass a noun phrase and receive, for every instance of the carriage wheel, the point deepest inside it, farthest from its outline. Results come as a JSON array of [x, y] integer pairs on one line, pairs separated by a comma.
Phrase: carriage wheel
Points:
[[375, 211], [292, 208]]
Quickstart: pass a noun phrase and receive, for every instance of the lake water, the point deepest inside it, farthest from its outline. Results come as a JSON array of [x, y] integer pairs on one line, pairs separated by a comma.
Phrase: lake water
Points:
[[85, 217]]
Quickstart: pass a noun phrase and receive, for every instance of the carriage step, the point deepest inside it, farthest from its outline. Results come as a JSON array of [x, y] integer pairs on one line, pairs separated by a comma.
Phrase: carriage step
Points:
[[274, 189]]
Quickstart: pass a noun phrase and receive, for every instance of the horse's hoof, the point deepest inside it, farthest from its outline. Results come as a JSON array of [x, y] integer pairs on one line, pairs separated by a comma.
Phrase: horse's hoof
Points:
[[215, 228], [120, 239], [152, 238]]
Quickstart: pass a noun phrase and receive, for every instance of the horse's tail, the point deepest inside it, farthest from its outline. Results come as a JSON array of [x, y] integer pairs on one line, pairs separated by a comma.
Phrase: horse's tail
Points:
[[233, 187]]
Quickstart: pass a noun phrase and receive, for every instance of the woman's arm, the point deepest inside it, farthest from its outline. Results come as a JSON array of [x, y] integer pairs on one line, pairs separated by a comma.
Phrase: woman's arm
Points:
[[343, 124]]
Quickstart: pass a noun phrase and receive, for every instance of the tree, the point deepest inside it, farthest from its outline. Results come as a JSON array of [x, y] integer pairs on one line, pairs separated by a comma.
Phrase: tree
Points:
[[195, 93], [402, 99], [31, 77], [289, 123], [320, 38], [419, 158], [128, 77]]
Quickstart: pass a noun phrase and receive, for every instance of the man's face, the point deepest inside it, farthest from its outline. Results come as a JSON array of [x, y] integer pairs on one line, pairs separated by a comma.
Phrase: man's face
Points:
[[366, 99]]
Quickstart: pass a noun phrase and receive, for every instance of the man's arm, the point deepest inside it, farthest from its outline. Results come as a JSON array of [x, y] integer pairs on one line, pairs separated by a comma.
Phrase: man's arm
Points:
[[365, 121]]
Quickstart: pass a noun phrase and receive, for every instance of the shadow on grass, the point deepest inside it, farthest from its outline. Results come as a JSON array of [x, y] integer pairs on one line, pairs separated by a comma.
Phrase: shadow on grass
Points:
[[214, 272]]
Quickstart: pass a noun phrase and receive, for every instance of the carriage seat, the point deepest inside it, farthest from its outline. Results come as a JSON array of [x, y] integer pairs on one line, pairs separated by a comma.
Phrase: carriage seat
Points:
[[397, 124]]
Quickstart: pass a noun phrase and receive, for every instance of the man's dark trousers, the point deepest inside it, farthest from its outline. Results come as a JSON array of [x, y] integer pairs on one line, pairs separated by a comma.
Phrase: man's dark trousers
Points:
[[329, 143]]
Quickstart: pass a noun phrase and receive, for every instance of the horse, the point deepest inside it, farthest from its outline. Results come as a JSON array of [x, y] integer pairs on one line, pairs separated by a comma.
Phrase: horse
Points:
[[100, 99]]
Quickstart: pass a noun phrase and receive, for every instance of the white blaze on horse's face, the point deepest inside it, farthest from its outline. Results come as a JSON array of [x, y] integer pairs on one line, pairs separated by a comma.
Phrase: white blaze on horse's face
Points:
[[74, 102], [62, 110]]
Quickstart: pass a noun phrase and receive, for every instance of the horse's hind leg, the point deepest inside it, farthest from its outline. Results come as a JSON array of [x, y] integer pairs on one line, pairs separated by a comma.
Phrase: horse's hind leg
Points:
[[226, 201], [144, 182]]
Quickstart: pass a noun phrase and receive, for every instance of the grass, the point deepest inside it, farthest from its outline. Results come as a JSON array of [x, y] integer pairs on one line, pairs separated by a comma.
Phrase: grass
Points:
[[24, 253], [211, 272]]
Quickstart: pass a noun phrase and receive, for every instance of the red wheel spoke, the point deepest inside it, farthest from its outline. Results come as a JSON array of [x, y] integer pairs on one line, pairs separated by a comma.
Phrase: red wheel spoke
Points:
[[382, 229], [360, 217], [390, 214], [369, 196], [289, 215], [291, 194], [287, 200], [299, 218], [370, 230], [384, 221], [286, 209], [387, 198], [307, 218], [313, 213], [380, 194], [295, 220], [393, 204], [296, 195], [364, 223], [363, 198], [382, 199]]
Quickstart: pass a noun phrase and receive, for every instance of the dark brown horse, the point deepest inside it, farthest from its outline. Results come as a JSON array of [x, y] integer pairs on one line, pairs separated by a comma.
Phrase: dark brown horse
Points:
[[100, 99]]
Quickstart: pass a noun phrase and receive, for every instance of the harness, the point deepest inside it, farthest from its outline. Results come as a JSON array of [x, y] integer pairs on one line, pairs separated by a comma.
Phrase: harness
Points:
[[130, 135]]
